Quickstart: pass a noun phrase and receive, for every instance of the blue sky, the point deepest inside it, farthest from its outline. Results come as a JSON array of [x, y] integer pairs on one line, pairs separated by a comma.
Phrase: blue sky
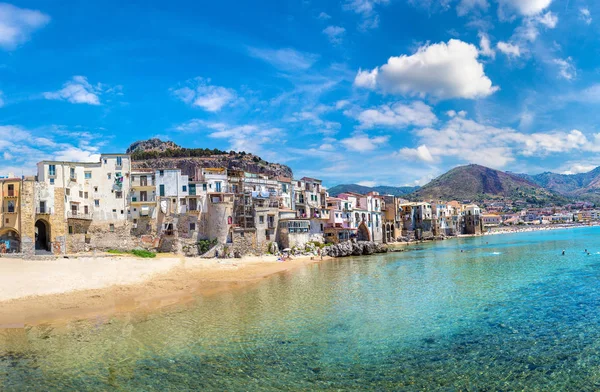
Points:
[[390, 92]]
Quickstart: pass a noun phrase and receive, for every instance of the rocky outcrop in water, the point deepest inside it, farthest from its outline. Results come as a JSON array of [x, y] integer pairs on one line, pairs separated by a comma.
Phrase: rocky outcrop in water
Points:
[[354, 248]]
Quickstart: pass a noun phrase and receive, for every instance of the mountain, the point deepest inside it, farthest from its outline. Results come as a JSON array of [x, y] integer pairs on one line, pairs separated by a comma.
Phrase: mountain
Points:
[[477, 183], [152, 145], [582, 186], [383, 190], [157, 154]]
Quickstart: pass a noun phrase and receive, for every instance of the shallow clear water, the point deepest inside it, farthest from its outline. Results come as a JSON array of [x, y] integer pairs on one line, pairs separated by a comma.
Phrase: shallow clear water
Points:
[[509, 314]]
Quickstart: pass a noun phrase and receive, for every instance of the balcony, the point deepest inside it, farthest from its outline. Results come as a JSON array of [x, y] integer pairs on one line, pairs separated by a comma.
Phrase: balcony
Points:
[[143, 184], [73, 176], [9, 210], [11, 194], [78, 215], [43, 211]]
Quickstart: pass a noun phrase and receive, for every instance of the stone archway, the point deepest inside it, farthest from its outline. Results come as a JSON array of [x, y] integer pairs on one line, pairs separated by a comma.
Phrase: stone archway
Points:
[[363, 233], [42, 235], [10, 241]]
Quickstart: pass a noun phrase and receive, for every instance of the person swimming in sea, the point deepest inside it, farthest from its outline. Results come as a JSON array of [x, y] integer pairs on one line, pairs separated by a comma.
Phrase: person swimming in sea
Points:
[[563, 252]]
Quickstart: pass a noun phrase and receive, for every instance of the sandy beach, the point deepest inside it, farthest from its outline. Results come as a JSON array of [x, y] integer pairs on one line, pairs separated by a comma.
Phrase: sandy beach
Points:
[[40, 291]]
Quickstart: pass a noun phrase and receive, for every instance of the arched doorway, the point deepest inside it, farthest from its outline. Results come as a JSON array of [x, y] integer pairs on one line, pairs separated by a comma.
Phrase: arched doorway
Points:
[[10, 241], [42, 235], [363, 233]]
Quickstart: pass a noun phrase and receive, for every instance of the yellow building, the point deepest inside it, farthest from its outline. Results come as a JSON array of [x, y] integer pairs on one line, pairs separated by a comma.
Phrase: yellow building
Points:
[[10, 229]]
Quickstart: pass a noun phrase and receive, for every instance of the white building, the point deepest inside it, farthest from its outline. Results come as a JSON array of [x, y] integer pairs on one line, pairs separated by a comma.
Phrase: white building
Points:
[[171, 190], [93, 191]]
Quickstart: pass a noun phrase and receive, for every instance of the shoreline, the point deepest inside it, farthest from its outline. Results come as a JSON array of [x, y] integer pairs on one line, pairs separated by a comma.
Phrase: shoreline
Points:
[[86, 287], [179, 283]]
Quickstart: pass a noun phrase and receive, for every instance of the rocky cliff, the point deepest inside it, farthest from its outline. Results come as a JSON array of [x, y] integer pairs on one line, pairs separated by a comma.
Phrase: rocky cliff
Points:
[[156, 154]]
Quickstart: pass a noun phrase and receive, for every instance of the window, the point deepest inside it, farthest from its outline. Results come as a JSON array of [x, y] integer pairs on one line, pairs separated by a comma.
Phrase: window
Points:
[[161, 173], [114, 210], [86, 210], [284, 188], [52, 181], [96, 189], [11, 206], [51, 170], [192, 189], [108, 176], [88, 175], [184, 188], [218, 186], [162, 190], [204, 187], [112, 228], [143, 181], [182, 202], [85, 195], [135, 221], [68, 192], [192, 226], [122, 212], [119, 161], [261, 219], [42, 207], [81, 194], [7, 221], [143, 196], [70, 229], [11, 190], [105, 161], [97, 203], [72, 171], [119, 194]]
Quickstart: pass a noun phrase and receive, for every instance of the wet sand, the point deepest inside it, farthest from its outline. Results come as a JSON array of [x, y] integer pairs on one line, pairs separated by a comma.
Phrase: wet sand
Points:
[[55, 291]]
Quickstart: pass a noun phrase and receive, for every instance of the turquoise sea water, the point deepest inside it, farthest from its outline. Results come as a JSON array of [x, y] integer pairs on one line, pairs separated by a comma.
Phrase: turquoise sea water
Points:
[[507, 313]]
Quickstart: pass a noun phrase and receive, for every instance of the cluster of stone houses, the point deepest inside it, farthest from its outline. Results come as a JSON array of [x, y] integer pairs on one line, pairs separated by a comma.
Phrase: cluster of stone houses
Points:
[[70, 207]]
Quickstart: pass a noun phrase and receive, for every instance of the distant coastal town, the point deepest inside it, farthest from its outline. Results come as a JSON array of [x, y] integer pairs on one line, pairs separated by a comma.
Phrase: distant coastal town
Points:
[[74, 207]]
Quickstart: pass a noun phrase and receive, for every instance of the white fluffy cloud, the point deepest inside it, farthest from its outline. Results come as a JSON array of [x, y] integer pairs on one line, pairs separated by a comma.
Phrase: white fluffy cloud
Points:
[[17, 25], [248, 137], [509, 49], [585, 15], [526, 7], [577, 168], [485, 46], [201, 93], [26, 147], [362, 143], [335, 34], [467, 140], [548, 19], [467, 5], [366, 9], [77, 90], [440, 70], [566, 69], [420, 153], [286, 59], [397, 115]]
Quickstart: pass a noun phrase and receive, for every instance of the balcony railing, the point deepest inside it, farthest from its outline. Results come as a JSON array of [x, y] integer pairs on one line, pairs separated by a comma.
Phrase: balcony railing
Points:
[[45, 210], [12, 193], [8, 210], [79, 215]]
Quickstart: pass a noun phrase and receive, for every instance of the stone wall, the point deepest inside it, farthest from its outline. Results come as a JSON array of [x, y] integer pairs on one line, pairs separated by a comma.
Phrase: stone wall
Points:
[[243, 242], [27, 210], [58, 225]]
